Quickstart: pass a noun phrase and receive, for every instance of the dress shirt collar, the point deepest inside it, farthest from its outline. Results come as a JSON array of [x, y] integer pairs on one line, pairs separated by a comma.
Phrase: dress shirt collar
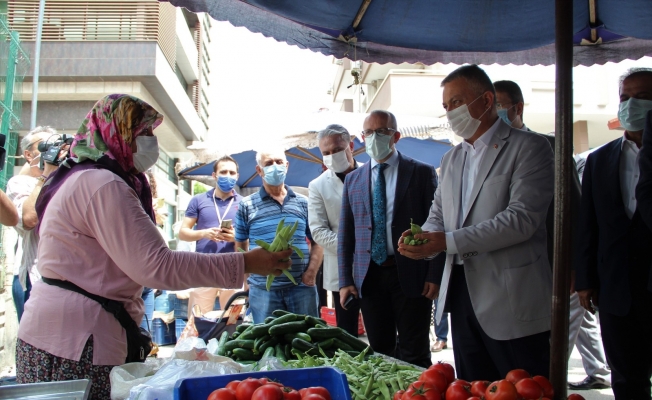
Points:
[[627, 142], [484, 140], [392, 161]]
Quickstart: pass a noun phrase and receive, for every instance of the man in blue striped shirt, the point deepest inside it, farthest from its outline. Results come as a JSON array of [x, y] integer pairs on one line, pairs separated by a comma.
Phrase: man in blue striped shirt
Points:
[[257, 218]]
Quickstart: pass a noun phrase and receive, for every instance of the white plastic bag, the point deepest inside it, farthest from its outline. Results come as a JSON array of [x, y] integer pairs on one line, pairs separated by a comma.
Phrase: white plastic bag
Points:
[[161, 385], [124, 377]]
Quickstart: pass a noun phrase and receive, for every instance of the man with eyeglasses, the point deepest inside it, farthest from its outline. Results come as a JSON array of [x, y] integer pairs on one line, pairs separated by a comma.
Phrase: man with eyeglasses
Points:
[[488, 215], [378, 202], [583, 330]]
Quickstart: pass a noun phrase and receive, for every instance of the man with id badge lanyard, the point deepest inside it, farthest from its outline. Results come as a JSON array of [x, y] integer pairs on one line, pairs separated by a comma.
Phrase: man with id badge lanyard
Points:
[[209, 218]]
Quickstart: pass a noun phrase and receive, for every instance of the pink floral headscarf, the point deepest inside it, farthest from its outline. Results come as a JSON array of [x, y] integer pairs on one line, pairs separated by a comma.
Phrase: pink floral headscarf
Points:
[[110, 128]]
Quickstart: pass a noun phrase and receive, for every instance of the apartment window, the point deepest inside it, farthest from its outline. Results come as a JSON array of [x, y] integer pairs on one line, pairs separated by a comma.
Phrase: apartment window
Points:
[[180, 77], [165, 164]]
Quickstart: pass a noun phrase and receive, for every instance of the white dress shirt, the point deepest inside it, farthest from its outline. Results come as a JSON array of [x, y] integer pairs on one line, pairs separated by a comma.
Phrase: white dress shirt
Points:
[[474, 154], [629, 175], [391, 174]]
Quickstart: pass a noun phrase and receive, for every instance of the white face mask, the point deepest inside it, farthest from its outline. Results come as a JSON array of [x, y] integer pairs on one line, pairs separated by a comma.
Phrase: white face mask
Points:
[[462, 123], [337, 162], [146, 153]]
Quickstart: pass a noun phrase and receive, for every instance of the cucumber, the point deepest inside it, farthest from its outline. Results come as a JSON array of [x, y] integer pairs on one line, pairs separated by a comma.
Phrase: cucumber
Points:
[[290, 336], [305, 347], [269, 343], [221, 351], [289, 327], [260, 341], [246, 333], [280, 313], [283, 319], [235, 335], [354, 342], [239, 344], [313, 321], [287, 349], [324, 333], [270, 319], [241, 328], [326, 344], [279, 352], [245, 354], [269, 352], [337, 343], [259, 330]]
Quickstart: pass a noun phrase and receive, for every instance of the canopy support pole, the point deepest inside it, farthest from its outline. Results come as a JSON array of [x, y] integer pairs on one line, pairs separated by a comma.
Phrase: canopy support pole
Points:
[[563, 172], [360, 14]]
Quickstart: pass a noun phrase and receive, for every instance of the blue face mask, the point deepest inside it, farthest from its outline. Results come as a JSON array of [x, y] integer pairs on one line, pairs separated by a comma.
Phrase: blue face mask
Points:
[[631, 114], [275, 174], [502, 113], [225, 183]]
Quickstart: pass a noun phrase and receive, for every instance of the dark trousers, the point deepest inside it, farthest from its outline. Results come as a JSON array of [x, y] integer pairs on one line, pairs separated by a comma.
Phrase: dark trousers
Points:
[[628, 344], [322, 294], [387, 310], [347, 319], [479, 357]]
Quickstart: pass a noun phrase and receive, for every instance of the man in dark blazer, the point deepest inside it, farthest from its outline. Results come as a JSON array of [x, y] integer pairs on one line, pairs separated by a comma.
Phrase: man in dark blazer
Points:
[[613, 255], [395, 292]]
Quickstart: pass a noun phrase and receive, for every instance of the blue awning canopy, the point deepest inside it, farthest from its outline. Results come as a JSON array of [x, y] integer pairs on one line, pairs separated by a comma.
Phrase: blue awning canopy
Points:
[[447, 31]]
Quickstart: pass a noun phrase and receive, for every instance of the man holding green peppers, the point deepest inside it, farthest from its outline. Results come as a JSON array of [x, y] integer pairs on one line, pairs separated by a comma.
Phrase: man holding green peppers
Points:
[[257, 221]]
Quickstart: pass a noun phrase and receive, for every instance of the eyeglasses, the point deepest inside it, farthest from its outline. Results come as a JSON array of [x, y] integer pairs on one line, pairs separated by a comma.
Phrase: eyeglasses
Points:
[[501, 106], [379, 132]]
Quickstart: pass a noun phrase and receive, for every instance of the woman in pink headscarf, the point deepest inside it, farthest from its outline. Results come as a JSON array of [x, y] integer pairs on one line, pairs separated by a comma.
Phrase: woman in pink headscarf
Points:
[[97, 232]]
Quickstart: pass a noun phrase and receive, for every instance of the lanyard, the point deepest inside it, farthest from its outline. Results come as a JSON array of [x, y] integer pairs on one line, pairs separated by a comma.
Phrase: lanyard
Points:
[[217, 211]]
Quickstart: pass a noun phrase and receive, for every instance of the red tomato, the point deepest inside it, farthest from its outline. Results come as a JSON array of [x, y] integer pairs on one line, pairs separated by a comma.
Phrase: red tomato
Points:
[[290, 394], [575, 396], [461, 382], [475, 398], [267, 392], [233, 385], [322, 391], [458, 392], [222, 394], [436, 378], [247, 388], [420, 390], [398, 395], [446, 369], [529, 389], [478, 388], [516, 375], [545, 384], [501, 390], [313, 396]]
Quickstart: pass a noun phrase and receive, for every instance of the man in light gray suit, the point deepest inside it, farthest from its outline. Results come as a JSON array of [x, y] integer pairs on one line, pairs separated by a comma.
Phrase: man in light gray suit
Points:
[[324, 206], [489, 215]]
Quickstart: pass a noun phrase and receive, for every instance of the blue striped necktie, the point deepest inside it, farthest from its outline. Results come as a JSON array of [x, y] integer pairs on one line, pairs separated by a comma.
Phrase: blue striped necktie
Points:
[[379, 232]]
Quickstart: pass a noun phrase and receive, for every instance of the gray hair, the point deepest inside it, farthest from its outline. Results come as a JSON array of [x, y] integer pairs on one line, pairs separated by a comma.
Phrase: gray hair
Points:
[[634, 71], [43, 132], [332, 130], [269, 152], [391, 119]]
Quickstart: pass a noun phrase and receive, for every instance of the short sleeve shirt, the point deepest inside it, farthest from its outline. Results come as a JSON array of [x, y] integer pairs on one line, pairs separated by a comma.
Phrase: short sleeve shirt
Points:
[[258, 217], [202, 208]]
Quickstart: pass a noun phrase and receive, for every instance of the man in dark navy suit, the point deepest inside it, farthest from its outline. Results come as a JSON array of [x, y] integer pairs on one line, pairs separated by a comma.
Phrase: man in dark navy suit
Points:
[[613, 255]]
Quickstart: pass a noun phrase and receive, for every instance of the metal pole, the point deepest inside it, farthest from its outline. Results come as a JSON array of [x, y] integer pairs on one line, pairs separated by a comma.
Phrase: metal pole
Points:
[[563, 172], [37, 58]]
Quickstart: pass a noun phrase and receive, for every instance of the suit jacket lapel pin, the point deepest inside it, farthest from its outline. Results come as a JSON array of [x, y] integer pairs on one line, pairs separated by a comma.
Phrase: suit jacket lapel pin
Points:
[[495, 147]]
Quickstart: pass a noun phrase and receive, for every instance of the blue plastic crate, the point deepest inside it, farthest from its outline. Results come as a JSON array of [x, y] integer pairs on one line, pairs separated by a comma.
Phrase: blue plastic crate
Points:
[[180, 325], [162, 303], [163, 333], [328, 377], [180, 306]]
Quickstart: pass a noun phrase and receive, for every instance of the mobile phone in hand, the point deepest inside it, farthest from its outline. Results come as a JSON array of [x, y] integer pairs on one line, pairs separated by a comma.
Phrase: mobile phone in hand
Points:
[[349, 300], [226, 223]]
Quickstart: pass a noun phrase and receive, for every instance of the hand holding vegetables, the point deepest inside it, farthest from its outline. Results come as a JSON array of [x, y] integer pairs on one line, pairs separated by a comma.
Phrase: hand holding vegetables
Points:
[[282, 241], [262, 262], [418, 244]]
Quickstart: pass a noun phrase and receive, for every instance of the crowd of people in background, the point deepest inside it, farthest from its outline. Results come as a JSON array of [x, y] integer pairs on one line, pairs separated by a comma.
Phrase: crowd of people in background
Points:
[[487, 215]]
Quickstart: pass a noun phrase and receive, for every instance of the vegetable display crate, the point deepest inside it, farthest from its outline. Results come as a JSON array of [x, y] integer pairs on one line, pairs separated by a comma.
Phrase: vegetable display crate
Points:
[[180, 306], [179, 326], [163, 333], [328, 377], [328, 315]]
